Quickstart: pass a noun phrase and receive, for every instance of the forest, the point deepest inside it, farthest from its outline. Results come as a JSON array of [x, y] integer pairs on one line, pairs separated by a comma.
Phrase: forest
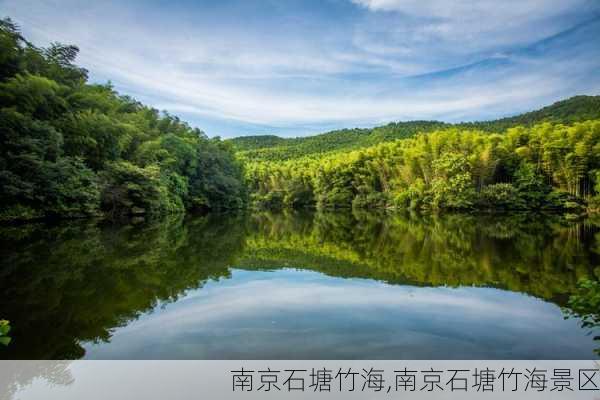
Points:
[[547, 165], [69, 148]]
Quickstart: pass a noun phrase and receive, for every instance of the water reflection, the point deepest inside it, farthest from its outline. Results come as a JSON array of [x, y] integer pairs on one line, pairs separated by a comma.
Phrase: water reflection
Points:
[[18, 375], [221, 286], [289, 314]]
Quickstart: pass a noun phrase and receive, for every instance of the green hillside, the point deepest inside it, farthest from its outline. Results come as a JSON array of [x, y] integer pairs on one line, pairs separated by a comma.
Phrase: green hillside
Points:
[[574, 109], [274, 148]]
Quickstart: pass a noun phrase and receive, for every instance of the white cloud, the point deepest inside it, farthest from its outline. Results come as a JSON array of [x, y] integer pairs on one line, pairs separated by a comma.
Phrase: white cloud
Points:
[[438, 34], [362, 72], [471, 9]]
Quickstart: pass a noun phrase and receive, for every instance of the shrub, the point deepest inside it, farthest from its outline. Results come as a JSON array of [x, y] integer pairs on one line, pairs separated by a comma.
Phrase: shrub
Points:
[[130, 190], [501, 195]]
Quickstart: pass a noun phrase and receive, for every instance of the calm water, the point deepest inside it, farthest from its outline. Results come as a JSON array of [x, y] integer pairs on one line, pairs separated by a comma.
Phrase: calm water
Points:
[[298, 285]]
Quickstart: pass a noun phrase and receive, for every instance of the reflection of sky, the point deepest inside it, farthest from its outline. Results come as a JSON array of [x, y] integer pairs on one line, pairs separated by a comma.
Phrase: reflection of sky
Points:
[[289, 314]]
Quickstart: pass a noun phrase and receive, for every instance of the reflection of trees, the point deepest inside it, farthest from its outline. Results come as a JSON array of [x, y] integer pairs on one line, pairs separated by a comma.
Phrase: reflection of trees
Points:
[[16, 375], [584, 304], [64, 284], [544, 256], [76, 282]]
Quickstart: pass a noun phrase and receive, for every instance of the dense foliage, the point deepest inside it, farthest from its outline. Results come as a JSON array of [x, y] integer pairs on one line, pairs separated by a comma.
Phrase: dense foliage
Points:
[[548, 165], [585, 303], [69, 148], [544, 159]]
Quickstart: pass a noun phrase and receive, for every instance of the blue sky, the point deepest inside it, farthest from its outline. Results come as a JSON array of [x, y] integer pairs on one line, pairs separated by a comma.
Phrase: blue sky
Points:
[[293, 68]]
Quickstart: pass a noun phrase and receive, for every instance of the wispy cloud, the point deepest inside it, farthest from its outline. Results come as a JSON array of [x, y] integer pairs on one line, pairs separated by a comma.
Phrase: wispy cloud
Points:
[[246, 67]]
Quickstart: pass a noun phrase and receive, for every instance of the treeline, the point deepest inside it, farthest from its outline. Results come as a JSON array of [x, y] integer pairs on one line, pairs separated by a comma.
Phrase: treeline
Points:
[[274, 148], [69, 148], [574, 109], [545, 166]]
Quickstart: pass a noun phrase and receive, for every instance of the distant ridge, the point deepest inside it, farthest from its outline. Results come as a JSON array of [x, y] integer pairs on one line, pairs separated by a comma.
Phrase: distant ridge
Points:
[[272, 147]]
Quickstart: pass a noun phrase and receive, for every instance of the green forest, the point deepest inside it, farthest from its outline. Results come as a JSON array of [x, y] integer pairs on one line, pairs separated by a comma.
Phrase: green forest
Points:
[[548, 165], [70, 148]]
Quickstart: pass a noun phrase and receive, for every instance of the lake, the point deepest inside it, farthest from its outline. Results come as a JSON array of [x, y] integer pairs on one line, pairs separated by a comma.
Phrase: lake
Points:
[[305, 285]]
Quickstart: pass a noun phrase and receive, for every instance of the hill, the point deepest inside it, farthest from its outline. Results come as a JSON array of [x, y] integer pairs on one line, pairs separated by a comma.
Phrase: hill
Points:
[[275, 148]]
